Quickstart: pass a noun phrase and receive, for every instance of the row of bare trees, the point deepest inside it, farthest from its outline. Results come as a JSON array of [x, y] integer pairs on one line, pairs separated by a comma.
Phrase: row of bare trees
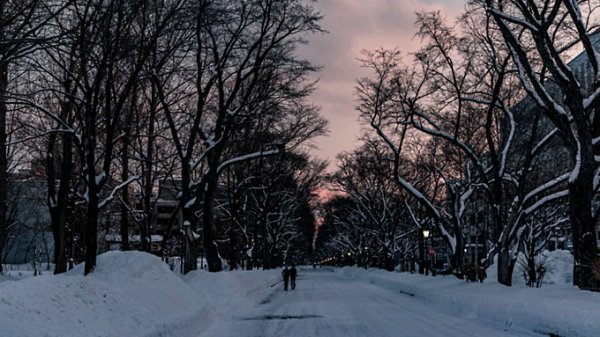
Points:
[[119, 95], [368, 221], [267, 211], [495, 116], [20, 24]]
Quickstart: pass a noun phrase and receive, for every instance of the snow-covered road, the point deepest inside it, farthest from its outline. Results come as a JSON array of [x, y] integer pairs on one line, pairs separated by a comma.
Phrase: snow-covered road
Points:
[[330, 304]]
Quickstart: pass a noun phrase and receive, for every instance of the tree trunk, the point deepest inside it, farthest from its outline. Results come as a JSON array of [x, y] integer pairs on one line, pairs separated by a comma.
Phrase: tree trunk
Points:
[[60, 199], [233, 256], [191, 255], [3, 138], [91, 185], [582, 226], [459, 255], [581, 194], [58, 234], [125, 192], [187, 211], [3, 156], [505, 266], [209, 229], [148, 174], [531, 271], [389, 261], [66, 172], [91, 233]]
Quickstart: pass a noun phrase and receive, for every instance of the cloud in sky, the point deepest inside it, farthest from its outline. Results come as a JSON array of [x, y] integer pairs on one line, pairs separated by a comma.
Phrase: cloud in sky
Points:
[[355, 25]]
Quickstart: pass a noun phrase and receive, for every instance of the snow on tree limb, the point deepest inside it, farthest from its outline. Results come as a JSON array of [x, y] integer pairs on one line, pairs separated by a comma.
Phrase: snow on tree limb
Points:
[[249, 156], [115, 190]]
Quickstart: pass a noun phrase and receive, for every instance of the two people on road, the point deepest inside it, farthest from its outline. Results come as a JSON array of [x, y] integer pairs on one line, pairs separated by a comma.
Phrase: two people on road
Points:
[[289, 274]]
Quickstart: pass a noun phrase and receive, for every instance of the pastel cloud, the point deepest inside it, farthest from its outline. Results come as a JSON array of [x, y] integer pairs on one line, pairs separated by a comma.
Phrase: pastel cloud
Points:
[[354, 25]]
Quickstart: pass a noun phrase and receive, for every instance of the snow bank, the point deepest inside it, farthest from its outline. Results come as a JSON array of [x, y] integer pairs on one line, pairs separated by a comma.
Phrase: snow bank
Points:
[[559, 269], [553, 309], [129, 294]]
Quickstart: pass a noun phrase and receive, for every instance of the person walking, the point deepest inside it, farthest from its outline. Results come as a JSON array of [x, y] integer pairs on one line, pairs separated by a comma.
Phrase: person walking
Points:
[[286, 277], [293, 274], [481, 274]]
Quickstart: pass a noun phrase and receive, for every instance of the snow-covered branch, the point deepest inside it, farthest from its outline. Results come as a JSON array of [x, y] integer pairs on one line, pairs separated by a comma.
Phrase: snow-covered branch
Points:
[[115, 190]]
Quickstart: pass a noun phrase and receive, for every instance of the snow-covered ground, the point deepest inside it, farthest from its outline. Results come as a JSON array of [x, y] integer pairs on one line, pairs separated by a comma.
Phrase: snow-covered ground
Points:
[[13, 272], [135, 294]]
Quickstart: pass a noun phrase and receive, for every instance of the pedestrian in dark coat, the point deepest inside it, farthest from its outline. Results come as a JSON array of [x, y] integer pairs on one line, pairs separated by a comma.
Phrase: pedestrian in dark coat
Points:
[[293, 274], [286, 277], [481, 274]]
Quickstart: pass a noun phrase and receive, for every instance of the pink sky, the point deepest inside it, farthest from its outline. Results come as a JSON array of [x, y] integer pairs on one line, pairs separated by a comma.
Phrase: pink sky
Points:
[[354, 25]]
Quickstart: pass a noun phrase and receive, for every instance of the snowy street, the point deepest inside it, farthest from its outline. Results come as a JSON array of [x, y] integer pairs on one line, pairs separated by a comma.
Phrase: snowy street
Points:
[[328, 304]]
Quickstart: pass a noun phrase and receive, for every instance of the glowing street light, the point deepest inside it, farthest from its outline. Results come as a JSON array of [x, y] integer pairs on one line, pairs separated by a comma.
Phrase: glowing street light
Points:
[[425, 233], [424, 256]]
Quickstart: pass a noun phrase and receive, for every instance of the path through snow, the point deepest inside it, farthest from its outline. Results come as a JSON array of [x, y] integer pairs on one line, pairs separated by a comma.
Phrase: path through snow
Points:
[[330, 304]]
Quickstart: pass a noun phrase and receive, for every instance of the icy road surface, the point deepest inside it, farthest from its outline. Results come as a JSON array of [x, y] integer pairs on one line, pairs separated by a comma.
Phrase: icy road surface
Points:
[[330, 304]]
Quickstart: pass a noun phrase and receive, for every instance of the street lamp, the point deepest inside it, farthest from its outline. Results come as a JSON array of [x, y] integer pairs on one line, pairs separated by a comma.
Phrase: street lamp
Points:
[[430, 251], [425, 262]]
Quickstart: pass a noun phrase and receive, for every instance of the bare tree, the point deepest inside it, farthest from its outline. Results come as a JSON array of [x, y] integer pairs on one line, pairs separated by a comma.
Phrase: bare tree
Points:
[[243, 67], [442, 95], [377, 104], [105, 47], [268, 206], [566, 94], [22, 26], [533, 239], [379, 217]]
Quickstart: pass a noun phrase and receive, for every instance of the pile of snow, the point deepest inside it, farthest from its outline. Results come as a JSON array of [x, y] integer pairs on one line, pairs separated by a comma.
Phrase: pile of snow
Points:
[[558, 263], [129, 294], [558, 309], [559, 267]]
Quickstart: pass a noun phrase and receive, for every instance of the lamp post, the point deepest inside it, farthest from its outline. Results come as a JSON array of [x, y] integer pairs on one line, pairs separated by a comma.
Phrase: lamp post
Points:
[[421, 253], [425, 236], [432, 255]]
